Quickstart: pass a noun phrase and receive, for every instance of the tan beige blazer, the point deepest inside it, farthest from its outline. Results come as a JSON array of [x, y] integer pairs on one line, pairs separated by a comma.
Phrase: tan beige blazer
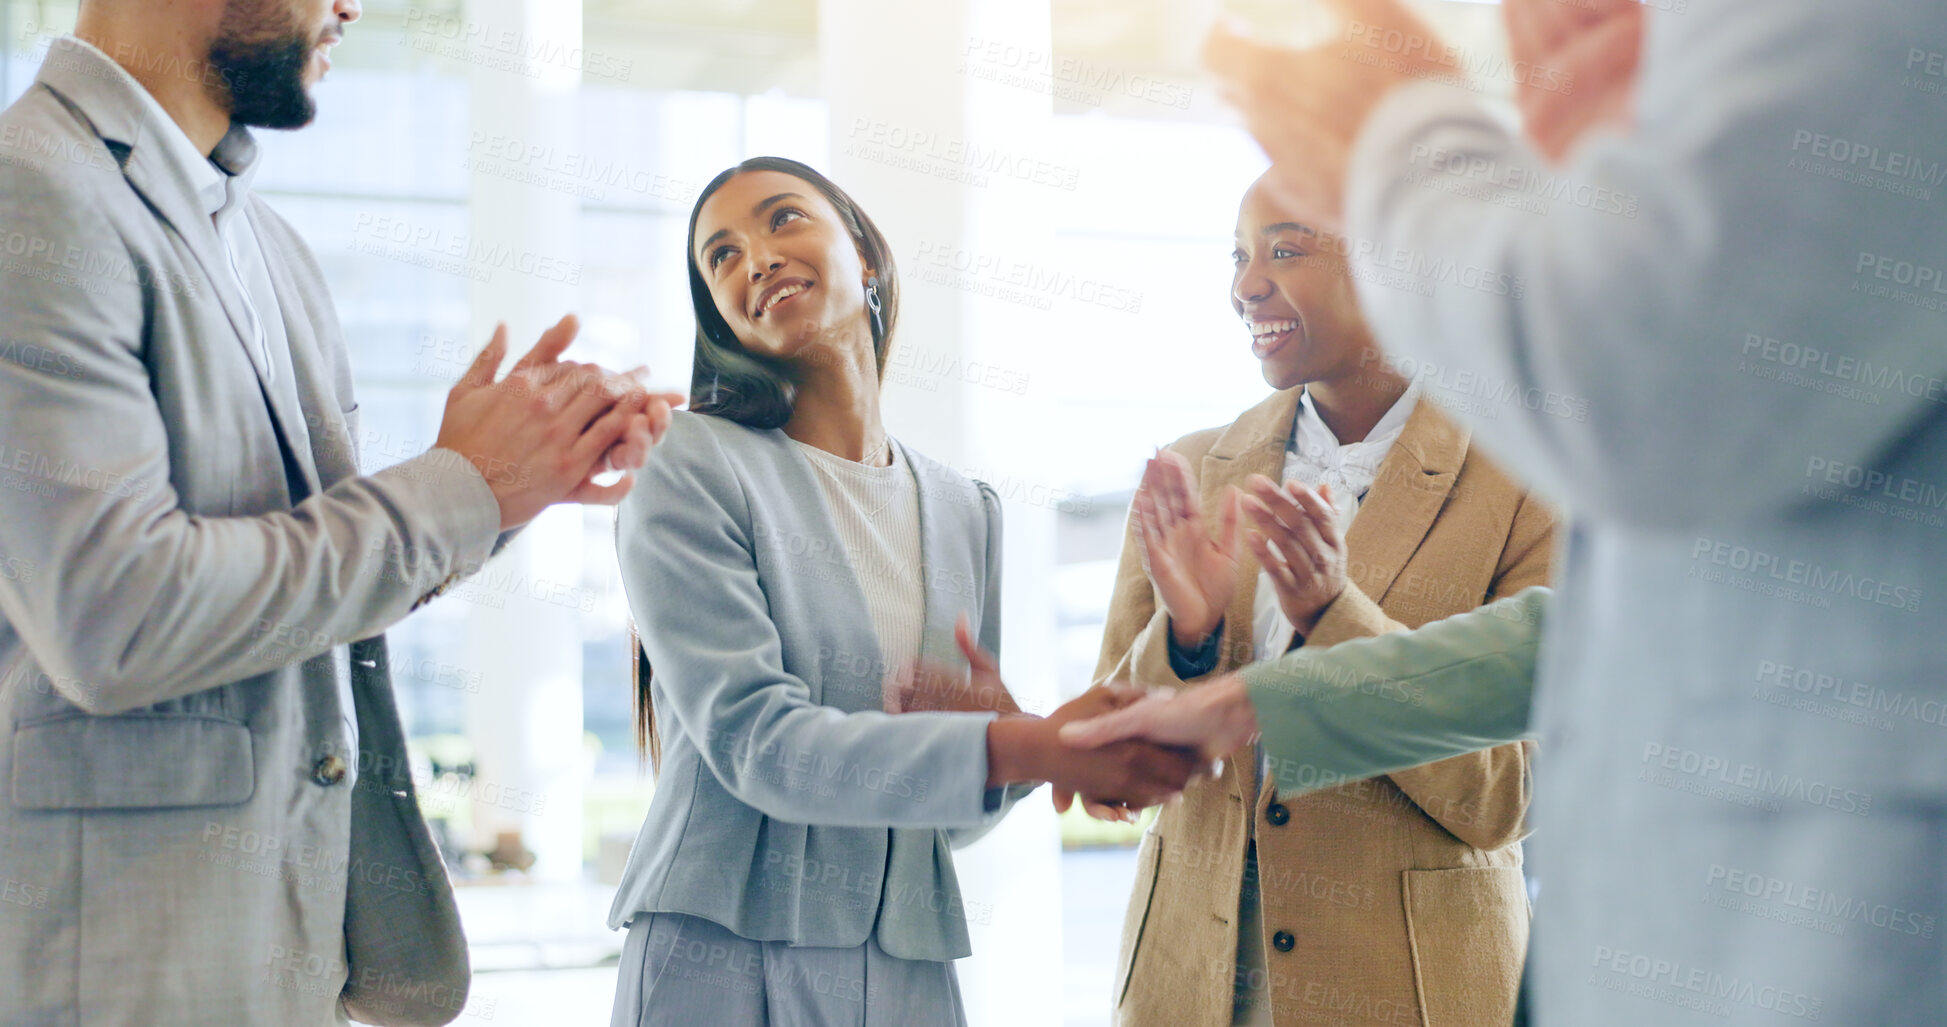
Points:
[[1395, 900]]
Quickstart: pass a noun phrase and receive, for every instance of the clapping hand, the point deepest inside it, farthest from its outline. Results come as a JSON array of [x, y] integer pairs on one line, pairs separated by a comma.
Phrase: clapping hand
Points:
[[1595, 46], [545, 432], [1295, 536], [1194, 573], [1307, 107]]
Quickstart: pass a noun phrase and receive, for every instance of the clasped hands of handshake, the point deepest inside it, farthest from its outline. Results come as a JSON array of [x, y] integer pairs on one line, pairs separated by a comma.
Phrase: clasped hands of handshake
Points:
[[1118, 777]]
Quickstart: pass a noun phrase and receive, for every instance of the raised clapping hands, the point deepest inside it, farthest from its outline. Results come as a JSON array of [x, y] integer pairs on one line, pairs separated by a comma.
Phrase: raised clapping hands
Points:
[[1593, 45], [1295, 536], [542, 434], [1023, 748], [1307, 107]]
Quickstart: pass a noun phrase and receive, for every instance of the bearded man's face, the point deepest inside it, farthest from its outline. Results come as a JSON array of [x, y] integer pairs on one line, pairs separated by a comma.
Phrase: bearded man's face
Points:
[[268, 54]]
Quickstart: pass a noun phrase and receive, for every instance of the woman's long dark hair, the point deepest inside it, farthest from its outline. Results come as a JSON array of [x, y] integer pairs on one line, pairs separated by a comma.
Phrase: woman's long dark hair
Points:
[[729, 381]]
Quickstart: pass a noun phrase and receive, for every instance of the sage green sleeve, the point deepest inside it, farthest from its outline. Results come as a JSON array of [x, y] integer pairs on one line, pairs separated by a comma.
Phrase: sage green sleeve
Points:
[[1371, 706]]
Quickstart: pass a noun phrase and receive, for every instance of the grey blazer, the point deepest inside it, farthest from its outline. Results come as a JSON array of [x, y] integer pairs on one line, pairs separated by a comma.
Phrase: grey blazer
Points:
[[789, 807], [191, 569]]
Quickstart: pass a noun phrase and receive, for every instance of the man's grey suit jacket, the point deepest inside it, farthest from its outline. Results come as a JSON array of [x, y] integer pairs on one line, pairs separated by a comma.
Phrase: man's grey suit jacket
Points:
[[189, 567], [1720, 345]]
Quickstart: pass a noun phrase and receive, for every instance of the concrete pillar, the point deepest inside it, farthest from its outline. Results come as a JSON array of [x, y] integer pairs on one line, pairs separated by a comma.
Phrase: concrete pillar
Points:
[[524, 626], [941, 120]]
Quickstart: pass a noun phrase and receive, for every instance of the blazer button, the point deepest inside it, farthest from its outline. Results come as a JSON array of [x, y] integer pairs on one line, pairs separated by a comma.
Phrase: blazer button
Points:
[[1283, 941], [1277, 814], [329, 771]]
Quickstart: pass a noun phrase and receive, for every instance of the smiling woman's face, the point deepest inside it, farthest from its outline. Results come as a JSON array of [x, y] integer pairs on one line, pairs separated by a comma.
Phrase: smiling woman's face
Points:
[[784, 270], [1295, 297]]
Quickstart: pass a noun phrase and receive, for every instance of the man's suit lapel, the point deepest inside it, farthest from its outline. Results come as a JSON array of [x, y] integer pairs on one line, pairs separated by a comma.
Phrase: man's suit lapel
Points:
[[175, 203], [331, 456], [93, 85], [1406, 497], [173, 198]]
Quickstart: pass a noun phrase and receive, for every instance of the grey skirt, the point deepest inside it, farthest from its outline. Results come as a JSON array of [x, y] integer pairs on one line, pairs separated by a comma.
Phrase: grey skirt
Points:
[[681, 971]]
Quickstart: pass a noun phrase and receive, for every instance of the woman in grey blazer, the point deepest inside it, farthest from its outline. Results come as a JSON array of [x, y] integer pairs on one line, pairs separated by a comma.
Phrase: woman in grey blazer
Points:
[[784, 558]]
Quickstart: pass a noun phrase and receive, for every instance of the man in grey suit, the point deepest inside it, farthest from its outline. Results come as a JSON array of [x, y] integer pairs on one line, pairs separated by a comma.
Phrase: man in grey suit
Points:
[[207, 816], [1709, 319]]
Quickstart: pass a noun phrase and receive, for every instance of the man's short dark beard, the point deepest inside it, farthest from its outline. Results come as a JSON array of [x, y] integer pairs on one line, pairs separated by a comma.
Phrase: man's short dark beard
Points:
[[264, 78]]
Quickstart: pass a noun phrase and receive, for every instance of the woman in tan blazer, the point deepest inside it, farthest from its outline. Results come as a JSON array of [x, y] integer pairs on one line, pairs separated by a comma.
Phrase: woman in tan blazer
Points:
[[1395, 900]]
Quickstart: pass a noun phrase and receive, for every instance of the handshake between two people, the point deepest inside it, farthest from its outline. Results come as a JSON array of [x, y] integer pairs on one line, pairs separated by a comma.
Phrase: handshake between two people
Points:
[[1119, 748], [550, 429]]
